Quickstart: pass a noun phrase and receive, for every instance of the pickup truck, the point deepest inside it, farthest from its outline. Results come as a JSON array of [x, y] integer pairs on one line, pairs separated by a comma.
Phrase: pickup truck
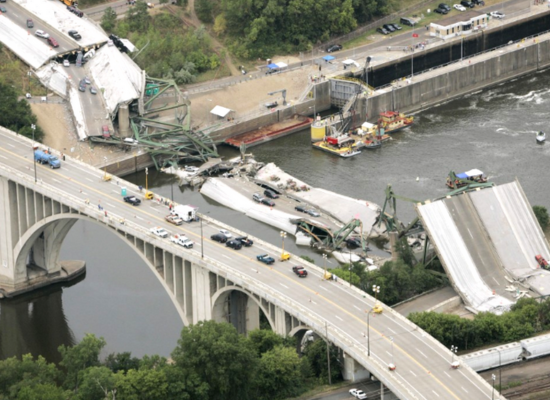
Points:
[[182, 241], [174, 219], [161, 232], [45, 158], [300, 271], [266, 259]]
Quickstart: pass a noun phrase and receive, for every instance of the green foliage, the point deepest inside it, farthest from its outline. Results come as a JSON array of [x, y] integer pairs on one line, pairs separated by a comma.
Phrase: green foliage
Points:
[[204, 10], [137, 17], [108, 20], [525, 318], [16, 115], [542, 216], [121, 362], [316, 355], [223, 359], [26, 376], [264, 340], [279, 375], [308, 259], [77, 358], [97, 383], [397, 280]]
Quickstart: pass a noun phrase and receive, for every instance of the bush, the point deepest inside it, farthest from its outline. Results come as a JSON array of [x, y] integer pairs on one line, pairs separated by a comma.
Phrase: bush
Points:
[[542, 216]]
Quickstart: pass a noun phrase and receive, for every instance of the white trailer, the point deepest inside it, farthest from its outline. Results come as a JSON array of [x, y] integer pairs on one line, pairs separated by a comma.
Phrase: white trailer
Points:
[[187, 213]]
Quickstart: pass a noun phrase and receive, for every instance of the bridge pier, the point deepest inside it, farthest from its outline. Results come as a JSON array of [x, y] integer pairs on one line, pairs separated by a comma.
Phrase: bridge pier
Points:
[[353, 371]]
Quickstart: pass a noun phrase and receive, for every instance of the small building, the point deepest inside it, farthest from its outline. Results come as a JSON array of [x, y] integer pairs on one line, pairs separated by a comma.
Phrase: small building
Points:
[[459, 24]]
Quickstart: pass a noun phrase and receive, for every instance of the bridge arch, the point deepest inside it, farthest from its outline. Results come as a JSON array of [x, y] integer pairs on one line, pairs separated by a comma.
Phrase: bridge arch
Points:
[[41, 243], [239, 307]]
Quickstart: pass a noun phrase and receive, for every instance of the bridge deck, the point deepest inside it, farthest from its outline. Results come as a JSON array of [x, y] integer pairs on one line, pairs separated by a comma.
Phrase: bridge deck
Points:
[[486, 239], [329, 307]]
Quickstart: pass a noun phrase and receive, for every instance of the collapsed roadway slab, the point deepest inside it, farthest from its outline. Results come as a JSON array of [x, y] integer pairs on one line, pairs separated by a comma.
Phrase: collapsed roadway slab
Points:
[[487, 241]]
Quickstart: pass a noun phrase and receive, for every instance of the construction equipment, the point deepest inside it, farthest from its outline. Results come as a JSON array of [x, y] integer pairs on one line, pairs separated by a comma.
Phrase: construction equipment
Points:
[[283, 91], [70, 3]]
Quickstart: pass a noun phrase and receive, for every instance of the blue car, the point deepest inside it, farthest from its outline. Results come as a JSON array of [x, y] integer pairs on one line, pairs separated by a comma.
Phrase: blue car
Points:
[[266, 259]]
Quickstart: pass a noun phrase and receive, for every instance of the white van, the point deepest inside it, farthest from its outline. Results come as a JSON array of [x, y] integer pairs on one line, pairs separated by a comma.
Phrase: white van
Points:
[[130, 141]]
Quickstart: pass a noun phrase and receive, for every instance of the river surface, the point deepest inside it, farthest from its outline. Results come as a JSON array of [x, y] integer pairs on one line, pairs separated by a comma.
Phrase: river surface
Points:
[[121, 299]]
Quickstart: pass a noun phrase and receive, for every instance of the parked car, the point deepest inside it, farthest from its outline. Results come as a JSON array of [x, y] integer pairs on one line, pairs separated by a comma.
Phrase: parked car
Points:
[[246, 242], [467, 4], [300, 271], [218, 237], [52, 42], [92, 90], [353, 242], [158, 231], [82, 87], [42, 34], [497, 14], [313, 213], [358, 394], [301, 208], [396, 27], [444, 6], [257, 197], [234, 244], [87, 80], [133, 200], [478, 2], [66, 63], [74, 34], [174, 219], [265, 258], [105, 132], [388, 27], [441, 11], [382, 31], [459, 7], [407, 21], [334, 47], [3, 9], [30, 23], [268, 202], [226, 233], [271, 194]]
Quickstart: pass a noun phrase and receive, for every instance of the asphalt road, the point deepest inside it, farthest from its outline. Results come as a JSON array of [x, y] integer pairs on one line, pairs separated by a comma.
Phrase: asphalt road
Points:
[[423, 365]]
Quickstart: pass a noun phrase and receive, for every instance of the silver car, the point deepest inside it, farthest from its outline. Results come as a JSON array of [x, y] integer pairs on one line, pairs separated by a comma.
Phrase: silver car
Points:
[[42, 34]]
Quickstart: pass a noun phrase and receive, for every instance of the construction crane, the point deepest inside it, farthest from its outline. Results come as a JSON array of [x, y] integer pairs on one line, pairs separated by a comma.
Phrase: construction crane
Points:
[[283, 91]]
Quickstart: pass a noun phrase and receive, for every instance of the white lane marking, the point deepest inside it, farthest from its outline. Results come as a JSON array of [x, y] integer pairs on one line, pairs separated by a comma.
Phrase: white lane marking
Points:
[[447, 374], [88, 179], [115, 191], [357, 307], [55, 180], [9, 144], [154, 209], [110, 205], [472, 236], [5, 158], [392, 330], [388, 353], [324, 288], [434, 392], [226, 256], [422, 354], [478, 388], [412, 387], [138, 217], [255, 270], [313, 302], [498, 284], [285, 286], [462, 387], [339, 318], [410, 370]]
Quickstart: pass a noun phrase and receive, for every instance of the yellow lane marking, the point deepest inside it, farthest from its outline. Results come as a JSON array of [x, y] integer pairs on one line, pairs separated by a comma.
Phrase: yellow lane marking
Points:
[[251, 259]]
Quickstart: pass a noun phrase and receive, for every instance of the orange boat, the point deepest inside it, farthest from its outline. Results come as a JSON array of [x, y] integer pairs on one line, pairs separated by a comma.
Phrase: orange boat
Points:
[[393, 121]]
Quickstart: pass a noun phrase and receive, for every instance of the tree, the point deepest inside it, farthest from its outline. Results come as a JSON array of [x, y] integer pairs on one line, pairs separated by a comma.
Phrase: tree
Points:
[[316, 354], [204, 10], [77, 358], [542, 216], [147, 384], [97, 383], [280, 374], [223, 359], [121, 362], [138, 18], [26, 376], [17, 115], [264, 340], [108, 20]]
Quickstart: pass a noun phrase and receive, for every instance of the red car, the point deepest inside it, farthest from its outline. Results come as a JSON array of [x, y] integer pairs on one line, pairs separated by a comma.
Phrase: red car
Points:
[[542, 262], [53, 42]]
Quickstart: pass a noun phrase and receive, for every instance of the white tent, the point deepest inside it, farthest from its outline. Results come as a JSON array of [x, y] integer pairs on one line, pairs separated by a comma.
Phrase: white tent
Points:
[[281, 65], [220, 111], [349, 62]]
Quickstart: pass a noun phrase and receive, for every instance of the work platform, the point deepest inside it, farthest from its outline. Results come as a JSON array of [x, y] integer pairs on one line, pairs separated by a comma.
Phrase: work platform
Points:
[[487, 241]]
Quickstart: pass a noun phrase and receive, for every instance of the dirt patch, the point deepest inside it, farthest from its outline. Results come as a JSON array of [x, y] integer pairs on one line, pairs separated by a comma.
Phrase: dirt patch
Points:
[[251, 94], [58, 126]]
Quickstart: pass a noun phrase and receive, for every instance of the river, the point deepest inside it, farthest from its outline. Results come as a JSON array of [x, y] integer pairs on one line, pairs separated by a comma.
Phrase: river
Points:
[[121, 300]]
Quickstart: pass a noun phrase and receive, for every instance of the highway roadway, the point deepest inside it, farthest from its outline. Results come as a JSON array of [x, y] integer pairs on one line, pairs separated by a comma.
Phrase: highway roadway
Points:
[[422, 364]]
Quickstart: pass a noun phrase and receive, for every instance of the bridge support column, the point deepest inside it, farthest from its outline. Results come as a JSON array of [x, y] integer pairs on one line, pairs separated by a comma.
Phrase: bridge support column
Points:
[[353, 371], [252, 315], [124, 121], [200, 288], [8, 236], [282, 323], [393, 243]]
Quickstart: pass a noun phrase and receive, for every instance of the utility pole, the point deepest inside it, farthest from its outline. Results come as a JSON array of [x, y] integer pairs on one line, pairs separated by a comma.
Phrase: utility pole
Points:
[[328, 353], [33, 127]]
